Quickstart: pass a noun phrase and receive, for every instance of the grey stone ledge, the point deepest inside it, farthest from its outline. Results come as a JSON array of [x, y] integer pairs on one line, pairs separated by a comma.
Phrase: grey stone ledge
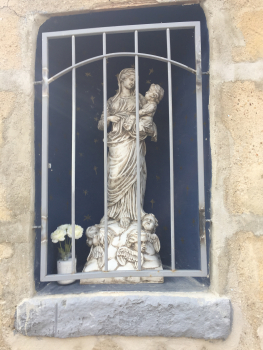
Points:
[[129, 314]]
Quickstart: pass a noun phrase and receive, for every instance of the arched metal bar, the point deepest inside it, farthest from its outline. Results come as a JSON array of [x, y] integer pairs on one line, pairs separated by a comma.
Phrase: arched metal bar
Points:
[[118, 54]]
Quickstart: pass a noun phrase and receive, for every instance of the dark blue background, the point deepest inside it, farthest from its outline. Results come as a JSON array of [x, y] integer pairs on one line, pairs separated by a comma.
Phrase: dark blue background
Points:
[[89, 147]]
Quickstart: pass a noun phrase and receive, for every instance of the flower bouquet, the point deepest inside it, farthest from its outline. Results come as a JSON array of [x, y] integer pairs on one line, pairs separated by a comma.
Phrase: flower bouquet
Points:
[[61, 234], [64, 234]]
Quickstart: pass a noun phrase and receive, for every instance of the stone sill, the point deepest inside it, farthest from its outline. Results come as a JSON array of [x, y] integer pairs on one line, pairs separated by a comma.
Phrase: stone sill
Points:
[[193, 315], [171, 284]]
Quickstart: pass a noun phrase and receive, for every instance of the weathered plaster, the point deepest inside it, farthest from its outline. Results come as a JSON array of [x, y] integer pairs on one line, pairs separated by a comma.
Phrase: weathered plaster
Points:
[[235, 35]]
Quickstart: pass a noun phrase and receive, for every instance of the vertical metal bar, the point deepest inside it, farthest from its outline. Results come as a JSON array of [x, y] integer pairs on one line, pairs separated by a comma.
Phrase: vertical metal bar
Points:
[[138, 149], [169, 69], [44, 165], [73, 154], [200, 148], [105, 154]]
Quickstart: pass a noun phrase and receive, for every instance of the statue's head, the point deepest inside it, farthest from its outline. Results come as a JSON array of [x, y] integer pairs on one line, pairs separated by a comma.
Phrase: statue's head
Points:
[[92, 235], [149, 223], [132, 241], [155, 93], [126, 79], [110, 236]]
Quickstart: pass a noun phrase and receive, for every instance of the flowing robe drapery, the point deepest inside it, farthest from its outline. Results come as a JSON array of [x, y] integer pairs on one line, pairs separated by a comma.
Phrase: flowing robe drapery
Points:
[[122, 159]]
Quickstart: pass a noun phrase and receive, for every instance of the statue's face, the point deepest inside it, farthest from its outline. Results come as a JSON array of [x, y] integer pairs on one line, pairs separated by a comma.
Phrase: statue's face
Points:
[[129, 82], [91, 233], [143, 247], [89, 242], [143, 244], [148, 223], [150, 94], [95, 240]]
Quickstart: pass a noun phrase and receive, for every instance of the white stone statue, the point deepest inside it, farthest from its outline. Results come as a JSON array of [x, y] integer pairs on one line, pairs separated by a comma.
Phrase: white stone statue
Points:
[[122, 184]]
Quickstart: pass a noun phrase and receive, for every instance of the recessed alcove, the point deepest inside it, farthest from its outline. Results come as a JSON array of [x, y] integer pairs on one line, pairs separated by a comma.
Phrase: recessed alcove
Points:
[[89, 146]]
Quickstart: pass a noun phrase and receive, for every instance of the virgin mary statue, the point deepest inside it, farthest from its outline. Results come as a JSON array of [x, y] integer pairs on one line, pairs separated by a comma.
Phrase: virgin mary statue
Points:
[[122, 234], [122, 159]]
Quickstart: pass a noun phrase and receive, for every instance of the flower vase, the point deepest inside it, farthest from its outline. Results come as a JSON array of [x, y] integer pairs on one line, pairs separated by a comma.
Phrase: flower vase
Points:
[[65, 267]]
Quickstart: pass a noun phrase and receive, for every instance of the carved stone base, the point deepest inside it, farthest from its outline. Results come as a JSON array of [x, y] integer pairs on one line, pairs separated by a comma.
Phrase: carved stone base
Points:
[[123, 252], [122, 280]]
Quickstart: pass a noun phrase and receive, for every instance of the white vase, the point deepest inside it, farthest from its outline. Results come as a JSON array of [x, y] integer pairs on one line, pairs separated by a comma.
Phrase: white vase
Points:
[[65, 267]]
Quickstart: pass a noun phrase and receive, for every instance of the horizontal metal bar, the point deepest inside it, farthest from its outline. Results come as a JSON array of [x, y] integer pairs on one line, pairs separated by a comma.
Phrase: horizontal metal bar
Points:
[[36, 226], [120, 29], [110, 274], [118, 54], [38, 82]]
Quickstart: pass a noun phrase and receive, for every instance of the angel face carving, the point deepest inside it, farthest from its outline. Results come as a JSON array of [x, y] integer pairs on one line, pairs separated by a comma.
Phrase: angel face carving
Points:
[[149, 223], [95, 236], [132, 241], [129, 253], [92, 236]]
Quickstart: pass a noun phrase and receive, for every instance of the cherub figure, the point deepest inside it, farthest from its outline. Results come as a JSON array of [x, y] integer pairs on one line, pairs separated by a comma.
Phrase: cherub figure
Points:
[[95, 240], [95, 236], [153, 96], [92, 234], [149, 224], [129, 253], [150, 246], [96, 255]]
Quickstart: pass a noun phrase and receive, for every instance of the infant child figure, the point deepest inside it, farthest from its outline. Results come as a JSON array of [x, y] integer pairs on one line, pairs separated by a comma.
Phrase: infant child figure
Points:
[[146, 125], [92, 234], [149, 224], [150, 254], [153, 96]]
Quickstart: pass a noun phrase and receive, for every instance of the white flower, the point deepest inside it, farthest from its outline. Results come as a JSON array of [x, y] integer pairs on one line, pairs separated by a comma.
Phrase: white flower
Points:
[[58, 235], [64, 227], [78, 231]]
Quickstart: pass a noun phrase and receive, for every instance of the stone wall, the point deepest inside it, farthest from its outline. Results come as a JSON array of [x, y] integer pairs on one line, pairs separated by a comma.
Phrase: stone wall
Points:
[[236, 104]]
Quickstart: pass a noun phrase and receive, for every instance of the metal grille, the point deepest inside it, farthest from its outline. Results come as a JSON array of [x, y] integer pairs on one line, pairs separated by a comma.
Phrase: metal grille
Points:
[[45, 165]]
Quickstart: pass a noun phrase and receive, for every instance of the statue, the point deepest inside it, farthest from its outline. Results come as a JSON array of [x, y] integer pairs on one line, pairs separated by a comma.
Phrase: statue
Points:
[[122, 185]]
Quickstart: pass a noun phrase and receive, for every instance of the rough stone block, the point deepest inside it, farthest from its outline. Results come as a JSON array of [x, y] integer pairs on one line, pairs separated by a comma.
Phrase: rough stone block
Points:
[[251, 25], [240, 113], [10, 54], [6, 251], [133, 314]]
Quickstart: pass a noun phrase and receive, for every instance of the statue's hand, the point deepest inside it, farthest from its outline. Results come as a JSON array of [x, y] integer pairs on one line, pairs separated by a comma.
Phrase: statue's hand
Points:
[[114, 118], [101, 124]]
